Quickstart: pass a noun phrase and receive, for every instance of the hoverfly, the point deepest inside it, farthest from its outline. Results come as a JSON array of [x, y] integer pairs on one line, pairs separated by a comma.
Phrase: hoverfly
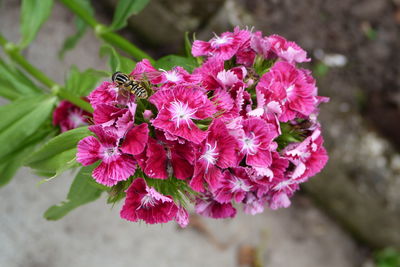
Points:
[[127, 84]]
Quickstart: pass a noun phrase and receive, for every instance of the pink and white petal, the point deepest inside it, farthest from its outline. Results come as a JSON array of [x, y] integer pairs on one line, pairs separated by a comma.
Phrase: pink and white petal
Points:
[[101, 175], [136, 139], [182, 217], [200, 48], [262, 158], [279, 200], [182, 168], [88, 150], [108, 138], [187, 129], [156, 164]]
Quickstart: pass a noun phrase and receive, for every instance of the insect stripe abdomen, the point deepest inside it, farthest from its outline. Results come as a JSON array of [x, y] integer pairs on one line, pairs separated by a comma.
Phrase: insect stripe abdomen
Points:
[[120, 78]]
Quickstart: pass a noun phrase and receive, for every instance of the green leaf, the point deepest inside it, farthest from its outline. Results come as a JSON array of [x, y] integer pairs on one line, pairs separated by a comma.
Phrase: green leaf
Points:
[[21, 119], [170, 61], [80, 193], [71, 41], [7, 91], [117, 62], [81, 26], [124, 10], [9, 167], [58, 154], [33, 14], [17, 79], [82, 83]]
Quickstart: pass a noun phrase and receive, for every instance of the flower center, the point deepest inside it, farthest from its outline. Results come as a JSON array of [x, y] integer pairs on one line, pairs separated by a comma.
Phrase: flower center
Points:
[[218, 41], [249, 145], [181, 112], [239, 185], [283, 185], [172, 76], [76, 119], [109, 152], [147, 201], [228, 78], [210, 156]]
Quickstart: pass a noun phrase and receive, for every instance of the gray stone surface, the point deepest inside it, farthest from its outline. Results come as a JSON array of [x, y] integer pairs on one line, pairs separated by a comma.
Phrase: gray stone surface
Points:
[[94, 235]]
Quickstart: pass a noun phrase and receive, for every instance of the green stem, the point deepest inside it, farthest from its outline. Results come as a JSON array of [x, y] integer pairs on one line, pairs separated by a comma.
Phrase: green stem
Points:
[[76, 8], [13, 52], [123, 44], [104, 33]]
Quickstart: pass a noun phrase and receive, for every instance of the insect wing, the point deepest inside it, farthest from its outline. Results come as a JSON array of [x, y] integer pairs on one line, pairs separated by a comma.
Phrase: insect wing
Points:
[[147, 76]]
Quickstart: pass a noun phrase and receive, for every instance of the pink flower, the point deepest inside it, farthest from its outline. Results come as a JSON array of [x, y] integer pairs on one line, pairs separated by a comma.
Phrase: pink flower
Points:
[[177, 75], [145, 71], [208, 72], [217, 152], [222, 47], [252, 204], [309, 156], [234, 186], [112, 118], [107, 115], [264, 178], [279, 200], [288, 51], [68, 116], [145, 203], [115, 166], [135, 139], [164, 158], [261, 45], [290, 90], [207, 206], [105, 93], [256, 143], [177, 109]]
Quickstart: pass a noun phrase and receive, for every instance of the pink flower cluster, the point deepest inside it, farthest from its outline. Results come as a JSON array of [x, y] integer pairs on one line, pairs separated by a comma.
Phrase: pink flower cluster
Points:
[[218, 129]]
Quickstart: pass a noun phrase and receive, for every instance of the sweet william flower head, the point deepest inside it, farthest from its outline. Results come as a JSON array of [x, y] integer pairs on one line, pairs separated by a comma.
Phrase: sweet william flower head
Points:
[[204, 132], [145, 203]]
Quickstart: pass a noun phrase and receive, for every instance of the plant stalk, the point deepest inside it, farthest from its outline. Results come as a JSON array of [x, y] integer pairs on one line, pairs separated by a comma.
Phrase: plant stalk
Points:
[[13, 52], [105, 34]]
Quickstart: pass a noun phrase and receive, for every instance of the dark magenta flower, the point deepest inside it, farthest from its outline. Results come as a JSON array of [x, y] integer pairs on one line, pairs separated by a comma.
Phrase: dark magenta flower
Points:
[[145, 203]]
